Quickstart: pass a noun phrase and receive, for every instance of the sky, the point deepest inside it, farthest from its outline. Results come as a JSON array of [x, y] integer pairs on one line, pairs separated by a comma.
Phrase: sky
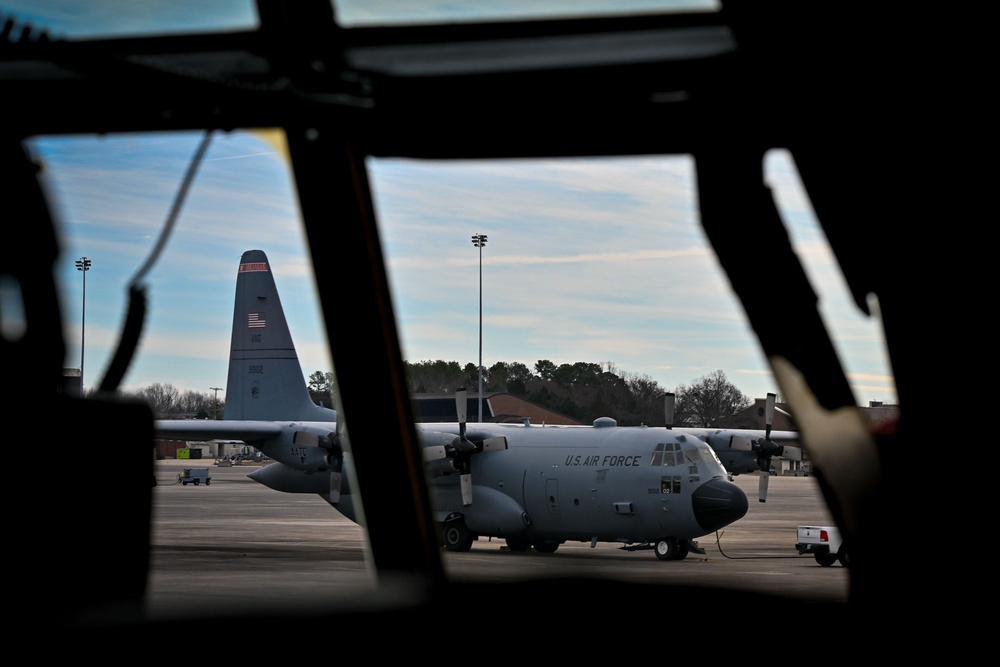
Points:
[[592, 260]]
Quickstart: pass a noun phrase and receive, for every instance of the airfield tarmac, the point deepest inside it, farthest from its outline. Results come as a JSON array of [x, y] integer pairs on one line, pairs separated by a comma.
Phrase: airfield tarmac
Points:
[[236, 544]]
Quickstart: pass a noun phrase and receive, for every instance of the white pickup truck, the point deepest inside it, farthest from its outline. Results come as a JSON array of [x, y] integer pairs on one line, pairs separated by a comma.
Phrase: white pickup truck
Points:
[[824, 543]]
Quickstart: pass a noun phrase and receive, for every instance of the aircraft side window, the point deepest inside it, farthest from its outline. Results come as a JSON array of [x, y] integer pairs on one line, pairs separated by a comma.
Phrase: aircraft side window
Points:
[[670, 484]]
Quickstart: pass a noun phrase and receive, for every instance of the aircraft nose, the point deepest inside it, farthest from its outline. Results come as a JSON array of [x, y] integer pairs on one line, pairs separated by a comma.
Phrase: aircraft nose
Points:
[[717, 503]]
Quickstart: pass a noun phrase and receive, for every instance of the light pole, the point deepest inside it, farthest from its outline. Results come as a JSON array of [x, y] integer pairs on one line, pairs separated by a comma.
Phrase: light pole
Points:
[[215, 402], [83, 264], [479, 240]]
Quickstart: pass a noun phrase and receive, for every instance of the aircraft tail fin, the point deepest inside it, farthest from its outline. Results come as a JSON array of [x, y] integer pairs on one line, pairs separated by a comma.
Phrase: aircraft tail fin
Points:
[[265, 376]]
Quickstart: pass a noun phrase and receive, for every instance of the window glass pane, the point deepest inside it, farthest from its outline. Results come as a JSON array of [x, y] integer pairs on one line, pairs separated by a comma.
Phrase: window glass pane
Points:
[[588, 260], [391, 12], [111, 196], [121, 18], [118, 18], [858, 339], [599, 261]]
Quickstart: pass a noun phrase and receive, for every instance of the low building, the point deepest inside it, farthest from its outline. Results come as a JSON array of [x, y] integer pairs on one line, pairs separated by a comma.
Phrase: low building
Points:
[[498, 407]]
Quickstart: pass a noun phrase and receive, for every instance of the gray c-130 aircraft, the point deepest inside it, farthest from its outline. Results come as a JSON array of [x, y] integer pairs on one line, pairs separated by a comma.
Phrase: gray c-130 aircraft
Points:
[[534, 486]]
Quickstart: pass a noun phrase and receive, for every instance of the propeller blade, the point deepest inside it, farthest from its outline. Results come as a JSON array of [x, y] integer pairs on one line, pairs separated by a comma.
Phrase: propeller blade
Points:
[[769, 415], [335, 477], [668, 409], [791, 452], [741, 443], [765, 475], [466, 480], [461, 405], [435, 453], [494, 444], [437, 459]]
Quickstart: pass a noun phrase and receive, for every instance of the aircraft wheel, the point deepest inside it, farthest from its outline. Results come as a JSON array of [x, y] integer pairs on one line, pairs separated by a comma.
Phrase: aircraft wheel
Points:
[[456, 536], [546, 547], [682, 550], [826, 560], [518, 543], [666, 549]]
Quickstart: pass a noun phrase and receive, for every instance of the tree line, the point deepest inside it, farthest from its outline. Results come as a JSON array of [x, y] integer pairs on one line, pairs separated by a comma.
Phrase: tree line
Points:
[[581, 391]]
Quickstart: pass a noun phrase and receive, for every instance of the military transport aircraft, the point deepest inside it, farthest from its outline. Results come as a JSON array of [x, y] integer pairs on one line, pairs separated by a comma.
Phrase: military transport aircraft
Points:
[[535, 486]]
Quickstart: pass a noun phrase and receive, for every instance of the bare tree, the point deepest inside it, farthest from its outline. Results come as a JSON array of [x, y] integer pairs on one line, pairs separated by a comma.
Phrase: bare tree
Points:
[[709, 399], [163, 399], [195, 404], [647, 399]]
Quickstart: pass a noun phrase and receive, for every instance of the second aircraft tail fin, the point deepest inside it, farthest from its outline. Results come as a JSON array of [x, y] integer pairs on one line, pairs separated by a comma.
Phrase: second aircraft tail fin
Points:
[[265, 377]]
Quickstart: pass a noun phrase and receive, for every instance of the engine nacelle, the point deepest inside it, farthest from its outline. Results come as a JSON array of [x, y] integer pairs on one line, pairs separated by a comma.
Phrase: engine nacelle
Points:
[[286, 479], [308, 448]]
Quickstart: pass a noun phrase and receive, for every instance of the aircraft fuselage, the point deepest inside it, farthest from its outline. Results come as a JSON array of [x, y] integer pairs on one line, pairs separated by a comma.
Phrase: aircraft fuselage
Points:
[[592, 484], [552, 484]]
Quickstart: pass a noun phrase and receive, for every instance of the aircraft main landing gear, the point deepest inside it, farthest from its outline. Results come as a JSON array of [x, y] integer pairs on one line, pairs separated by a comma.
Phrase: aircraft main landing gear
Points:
[[457, 536]]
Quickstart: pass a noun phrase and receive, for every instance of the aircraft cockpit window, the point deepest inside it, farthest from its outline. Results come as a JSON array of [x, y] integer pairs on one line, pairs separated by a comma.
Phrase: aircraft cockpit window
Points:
[[604, 236], [598, 299], [110, 197], [700, 452], [667, 454], [657, 459]]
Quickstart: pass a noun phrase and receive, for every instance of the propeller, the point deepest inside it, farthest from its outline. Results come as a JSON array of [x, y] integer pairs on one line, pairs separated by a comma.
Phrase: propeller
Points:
[[321, 450], [445, 453], [668, 409], [763, 455], [767, 448]]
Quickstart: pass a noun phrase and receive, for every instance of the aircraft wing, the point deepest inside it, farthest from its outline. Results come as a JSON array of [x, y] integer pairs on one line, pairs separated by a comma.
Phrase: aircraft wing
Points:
[[755, 434], [784, 436], [209, 429]]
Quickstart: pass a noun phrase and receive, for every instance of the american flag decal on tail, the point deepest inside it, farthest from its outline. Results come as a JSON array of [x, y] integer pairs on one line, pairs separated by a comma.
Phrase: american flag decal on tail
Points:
[[256, 321]]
